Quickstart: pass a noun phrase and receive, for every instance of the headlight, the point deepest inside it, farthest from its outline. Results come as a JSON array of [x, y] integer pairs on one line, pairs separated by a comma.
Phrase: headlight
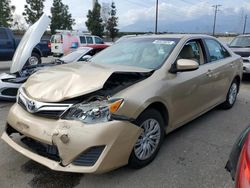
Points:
[[93, 112]]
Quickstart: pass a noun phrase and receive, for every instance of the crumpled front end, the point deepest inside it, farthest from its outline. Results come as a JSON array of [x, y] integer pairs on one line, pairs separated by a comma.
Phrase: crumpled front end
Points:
[[67, 145]]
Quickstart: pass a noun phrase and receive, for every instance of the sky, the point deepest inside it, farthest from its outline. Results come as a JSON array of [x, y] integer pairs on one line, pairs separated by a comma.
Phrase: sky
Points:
[[170, 11]]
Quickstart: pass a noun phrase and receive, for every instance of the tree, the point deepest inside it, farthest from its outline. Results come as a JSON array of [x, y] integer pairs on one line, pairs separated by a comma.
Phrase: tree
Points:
[[112, 23], [94, 21], [33, 10], [61, 18], [18, 23], [6, 13]]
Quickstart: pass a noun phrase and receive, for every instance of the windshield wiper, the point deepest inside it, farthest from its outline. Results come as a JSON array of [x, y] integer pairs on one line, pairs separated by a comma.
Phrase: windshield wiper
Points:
[[60, 61]]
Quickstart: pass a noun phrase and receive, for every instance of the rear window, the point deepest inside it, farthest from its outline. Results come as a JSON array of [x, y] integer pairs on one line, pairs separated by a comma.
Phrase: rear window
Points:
[[98, 40], [89, 40], [3, 34], [56, 39]]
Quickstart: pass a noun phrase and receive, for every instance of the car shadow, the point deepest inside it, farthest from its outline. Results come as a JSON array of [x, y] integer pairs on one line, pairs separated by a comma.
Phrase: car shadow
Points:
[[246, 78], [46, 178]]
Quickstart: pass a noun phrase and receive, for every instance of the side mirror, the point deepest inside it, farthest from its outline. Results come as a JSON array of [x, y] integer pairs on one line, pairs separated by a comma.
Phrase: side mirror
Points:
[[183, 65], [85, 58]]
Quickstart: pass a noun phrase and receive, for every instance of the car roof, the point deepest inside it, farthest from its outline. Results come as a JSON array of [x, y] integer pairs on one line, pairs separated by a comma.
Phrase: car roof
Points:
[[178, 36]]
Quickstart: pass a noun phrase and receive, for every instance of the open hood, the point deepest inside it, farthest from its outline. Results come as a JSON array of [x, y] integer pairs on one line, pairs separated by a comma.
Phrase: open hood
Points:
[[67, 81], [30, 39]]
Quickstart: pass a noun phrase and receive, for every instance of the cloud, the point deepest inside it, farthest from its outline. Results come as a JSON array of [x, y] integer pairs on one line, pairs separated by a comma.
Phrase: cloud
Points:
[[174, 12]]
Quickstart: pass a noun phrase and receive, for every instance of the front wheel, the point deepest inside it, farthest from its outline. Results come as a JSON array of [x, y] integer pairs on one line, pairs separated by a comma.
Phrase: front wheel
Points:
[[231, 95], [150, 140], [34, 59]]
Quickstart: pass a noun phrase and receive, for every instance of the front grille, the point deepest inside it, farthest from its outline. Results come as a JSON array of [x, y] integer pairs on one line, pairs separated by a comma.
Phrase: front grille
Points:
[[48, 114], [10, 92], [45, 150], [243, 54], [20, 102], [245, 60], [89, 157]]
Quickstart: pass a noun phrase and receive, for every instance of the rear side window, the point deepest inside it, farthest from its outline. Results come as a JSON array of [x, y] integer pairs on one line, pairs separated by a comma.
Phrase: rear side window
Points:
[[3, 34], [89, 40], [216, 50], [82, 39], [98, 40]]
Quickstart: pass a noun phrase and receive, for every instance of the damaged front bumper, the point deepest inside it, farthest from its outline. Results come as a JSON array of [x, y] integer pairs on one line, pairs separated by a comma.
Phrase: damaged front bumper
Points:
[[80, 148]]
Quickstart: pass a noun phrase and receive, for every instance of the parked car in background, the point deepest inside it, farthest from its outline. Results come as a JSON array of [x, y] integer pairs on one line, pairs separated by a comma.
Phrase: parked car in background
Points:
[[239, 160], [241, 46], [9, 44], [115, 109], [10, 83], [64, 41]]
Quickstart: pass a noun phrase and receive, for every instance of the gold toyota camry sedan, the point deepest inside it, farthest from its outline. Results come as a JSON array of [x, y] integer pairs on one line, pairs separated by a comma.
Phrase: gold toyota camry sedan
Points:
[[115, 109]]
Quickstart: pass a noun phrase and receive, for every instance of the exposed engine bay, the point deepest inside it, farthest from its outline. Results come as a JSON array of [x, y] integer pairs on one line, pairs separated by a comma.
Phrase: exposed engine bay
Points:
[[115, 83]]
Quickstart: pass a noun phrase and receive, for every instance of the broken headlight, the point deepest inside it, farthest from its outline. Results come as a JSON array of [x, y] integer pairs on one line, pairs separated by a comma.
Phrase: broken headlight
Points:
[[93, 112]]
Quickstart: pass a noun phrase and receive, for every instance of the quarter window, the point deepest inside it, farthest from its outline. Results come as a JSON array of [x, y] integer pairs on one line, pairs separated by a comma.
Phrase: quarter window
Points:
[[89, 40], [98, 40], [216, 50]]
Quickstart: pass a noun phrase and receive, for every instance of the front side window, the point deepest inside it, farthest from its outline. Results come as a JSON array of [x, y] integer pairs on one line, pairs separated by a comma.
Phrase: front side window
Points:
[[216, 50], [89, 40], [148, 53], [192, 51]]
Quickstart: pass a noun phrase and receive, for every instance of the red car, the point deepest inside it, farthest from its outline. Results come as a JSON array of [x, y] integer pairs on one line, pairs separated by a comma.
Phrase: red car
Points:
[[239, 161]]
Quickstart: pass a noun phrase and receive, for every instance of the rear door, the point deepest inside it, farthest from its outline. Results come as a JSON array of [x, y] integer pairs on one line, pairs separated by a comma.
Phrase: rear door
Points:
[[220, 69], [57, 44], [7, 47]]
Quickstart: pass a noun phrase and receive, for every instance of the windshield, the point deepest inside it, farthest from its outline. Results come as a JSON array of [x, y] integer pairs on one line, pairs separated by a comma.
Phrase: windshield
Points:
[[139, 52], [243, 41], [74, 56]]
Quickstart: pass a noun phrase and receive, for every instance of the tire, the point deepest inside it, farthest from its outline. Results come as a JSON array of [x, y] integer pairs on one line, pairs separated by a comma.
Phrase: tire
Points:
[[137, 159], [231, 95], [34, 59]]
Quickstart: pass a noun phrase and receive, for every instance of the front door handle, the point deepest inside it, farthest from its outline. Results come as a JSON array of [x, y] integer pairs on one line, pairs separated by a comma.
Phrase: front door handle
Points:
[[209, 73]]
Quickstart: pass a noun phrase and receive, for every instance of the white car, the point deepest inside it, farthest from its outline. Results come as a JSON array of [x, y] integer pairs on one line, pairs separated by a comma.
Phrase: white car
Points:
[[19, 73]]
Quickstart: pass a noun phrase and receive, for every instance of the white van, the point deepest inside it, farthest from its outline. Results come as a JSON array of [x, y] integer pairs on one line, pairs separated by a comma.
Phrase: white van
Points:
[[64, 41]]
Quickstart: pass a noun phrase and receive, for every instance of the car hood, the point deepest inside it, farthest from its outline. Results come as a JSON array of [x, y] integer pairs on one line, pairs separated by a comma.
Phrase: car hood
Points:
[[30, 39], [67, 81], [240, 49]]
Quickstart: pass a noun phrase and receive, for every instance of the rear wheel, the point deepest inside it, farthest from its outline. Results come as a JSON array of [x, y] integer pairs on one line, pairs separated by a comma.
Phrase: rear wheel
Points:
[[231, 95], [150, 140], [34, 59]]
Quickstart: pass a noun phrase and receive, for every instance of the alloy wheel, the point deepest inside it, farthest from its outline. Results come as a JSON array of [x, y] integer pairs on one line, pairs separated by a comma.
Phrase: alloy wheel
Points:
[[149, 139]]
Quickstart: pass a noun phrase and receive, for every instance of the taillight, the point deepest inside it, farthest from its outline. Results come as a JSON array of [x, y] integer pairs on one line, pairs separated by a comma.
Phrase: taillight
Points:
[[49, 44], [243, 168]]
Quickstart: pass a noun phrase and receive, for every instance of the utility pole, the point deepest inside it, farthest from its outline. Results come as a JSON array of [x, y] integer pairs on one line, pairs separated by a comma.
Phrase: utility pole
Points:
[[245, 24], [216, 9], [156, 17]]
